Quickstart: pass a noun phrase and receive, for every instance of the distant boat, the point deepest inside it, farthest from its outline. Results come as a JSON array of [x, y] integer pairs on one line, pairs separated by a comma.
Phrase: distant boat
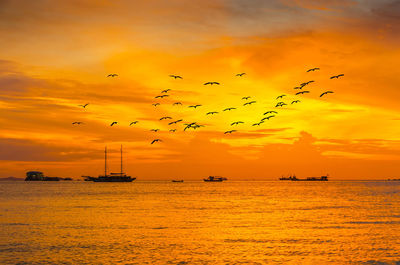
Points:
[[294, 178], [177, 180], [112, 177], [214, 179]]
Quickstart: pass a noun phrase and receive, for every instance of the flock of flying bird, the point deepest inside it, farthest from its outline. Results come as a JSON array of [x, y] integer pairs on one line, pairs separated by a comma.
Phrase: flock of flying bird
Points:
[[194, 125]]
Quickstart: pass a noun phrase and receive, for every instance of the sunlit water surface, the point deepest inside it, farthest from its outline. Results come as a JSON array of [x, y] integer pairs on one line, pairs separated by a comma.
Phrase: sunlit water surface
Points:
[[200, 223]]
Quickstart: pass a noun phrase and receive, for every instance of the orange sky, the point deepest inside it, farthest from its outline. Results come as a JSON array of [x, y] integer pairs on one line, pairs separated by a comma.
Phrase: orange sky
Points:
[[56, 55]]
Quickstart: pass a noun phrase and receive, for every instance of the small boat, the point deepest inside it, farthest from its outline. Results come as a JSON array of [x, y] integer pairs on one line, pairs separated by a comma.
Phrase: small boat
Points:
[[181, 180], [214, 179]]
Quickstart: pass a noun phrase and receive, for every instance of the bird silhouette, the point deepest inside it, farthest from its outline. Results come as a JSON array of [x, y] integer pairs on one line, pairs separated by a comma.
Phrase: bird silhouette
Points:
[[154, 130], [177, 103], [77, 122], [165, 90], [84, 106], [257, 124], [249, 103], [241, 74], [176, 76], [194, 106], [211, 83], [281, 96], [336, 76], [162, 96], [267, 118], [174, 122], [295, 101], [312, 69], [164, 118], [280, 104], [212, 112], [113, 123], [112, 75], [228, 109], [155, 104], [172, 130], [326, 92], [156, 140], [298, 87], [302, 92], [134, 122], [231, 131], [271, 111], [195, 126], [189, 125], [236, 123], [246, 98]]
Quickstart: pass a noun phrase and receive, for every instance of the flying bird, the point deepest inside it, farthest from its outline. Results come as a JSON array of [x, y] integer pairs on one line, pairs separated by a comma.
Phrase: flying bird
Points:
[[312, 69], [249, 103], [154, 130], [165, 91], [84, 106], [112, 75], [174, 122], [298, 87], [257, 124], [194, 106], [176, 76], [211, 83], [295, 101], [271, 111], [236, 123], [155, 104], [241, 74], [77, 122], [162, 96], [212, 112], [231, 131], [113, 123], [267, 118], [164, 118], [172, 130], [326, 92], [189, 125], [177, 103], [281, 96], [156, 140], [302, 92], [336, 76], [228, 109], [246, 98], [280, 104], [134, 122], [195, 126]]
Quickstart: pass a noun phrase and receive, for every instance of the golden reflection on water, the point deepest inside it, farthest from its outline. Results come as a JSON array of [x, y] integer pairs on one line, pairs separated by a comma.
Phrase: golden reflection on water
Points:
[[200, 223]]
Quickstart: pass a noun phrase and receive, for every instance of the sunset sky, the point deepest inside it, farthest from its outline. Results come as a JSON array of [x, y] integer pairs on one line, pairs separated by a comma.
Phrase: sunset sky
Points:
[[56, 55]]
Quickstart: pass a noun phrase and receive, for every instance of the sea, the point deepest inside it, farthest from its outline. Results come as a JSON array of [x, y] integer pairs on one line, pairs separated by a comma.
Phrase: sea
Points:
[[195, 222]]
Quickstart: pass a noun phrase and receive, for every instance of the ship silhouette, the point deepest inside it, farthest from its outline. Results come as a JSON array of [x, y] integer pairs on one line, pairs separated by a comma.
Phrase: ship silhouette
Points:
[[112, 177]]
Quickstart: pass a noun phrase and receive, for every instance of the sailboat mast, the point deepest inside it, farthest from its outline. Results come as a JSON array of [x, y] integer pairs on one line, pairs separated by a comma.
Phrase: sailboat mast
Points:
[[121, 159], [105, 161]]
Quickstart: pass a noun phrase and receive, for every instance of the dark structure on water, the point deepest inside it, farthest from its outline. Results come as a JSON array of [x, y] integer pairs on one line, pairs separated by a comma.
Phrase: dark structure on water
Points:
[[112, 177]]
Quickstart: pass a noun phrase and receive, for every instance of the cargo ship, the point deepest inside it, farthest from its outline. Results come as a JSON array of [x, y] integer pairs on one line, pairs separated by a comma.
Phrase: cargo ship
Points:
[[294, 178], [214, 179]]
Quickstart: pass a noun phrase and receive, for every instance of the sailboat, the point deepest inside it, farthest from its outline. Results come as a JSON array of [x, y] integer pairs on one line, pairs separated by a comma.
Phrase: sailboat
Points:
[[112, 177]]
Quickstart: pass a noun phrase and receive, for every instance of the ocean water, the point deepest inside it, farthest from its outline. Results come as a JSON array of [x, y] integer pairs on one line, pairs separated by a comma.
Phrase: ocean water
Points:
[[269, 222]]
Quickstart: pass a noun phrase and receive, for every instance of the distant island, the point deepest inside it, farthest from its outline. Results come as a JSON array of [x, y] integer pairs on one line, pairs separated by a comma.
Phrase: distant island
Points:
[[39, 176], [11, 179]]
